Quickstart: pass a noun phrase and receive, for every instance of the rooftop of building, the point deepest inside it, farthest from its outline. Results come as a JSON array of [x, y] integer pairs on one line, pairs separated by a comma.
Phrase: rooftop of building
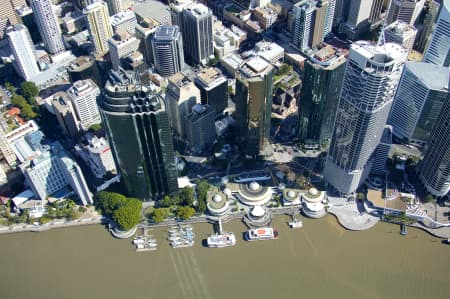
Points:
[[209, 76], [147, 24], [400, 28], [120, 37], [328, 57], [434, 76], [23, 10], [60, 101], [83, 87], [121, 17], [380, 54], [82, 63], [199, 111], [198, 10], [153, 9], [254, 66], [179, 80], [166, 32]]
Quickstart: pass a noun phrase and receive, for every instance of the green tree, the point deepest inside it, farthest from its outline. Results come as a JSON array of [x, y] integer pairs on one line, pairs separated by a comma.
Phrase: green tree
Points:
[[73, 214], [128, 215], [202, 189], [10, 87], [429, 198], [160, 214], [95, 127], [187, 196], [185, 212], [29, 90], [108, 202]]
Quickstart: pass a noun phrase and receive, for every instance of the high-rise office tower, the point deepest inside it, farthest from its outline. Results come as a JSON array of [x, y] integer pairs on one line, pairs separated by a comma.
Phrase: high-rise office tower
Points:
[[181, 96], [23, 51], [322, 80], [138, 130], [121, 45], [431, 10], [83, 95], [434, 169], [47, 22], [401, 33], [8, 10], [340, 13], [197, 34], [167, 48], [357, 21], [313, 21], [99, 26], [213, 89], [421, 93], [370, 81], [254, 105], [124, 21], [176, 12], [200, 129], [405, 10], [114, 6], [438, 51]]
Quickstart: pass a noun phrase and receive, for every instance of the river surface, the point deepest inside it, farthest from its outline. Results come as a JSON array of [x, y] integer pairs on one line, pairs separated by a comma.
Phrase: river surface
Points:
[[320, 260]]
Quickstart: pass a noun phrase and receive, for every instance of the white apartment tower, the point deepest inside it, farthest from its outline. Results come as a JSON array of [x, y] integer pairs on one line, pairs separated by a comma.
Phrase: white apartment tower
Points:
[[438, 51], [23, 51], [370, 81], [99, 26], [83, 95], [48, 26]]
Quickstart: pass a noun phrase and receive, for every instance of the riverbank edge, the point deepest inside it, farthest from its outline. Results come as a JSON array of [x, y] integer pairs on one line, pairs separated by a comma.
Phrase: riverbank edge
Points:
[[102, 220]]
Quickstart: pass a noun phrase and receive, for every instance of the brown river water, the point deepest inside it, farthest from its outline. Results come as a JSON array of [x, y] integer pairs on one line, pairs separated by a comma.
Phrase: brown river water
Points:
[[320, 260]]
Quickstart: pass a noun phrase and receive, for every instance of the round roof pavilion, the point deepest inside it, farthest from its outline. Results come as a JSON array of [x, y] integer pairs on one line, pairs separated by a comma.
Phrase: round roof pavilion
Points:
[[217, 203], [254, 194], [313, 195]]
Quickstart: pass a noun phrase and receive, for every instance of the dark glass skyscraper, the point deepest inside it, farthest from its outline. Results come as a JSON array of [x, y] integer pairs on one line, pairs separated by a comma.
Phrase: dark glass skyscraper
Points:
[[254, 105], [138, 130], [322, 80]]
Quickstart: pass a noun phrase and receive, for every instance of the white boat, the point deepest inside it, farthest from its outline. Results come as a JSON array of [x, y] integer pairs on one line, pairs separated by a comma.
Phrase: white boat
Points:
[[221, 240], [138, 240], [296, 224], [262, 233], [178, 244]]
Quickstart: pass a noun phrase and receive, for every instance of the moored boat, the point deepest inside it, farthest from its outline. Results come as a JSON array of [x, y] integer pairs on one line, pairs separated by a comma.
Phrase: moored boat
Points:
[[221, 240], [262, 233]]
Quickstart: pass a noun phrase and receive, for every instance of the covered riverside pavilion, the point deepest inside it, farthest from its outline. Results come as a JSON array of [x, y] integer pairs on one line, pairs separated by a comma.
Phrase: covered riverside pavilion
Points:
[[313, 203], [255, 196]]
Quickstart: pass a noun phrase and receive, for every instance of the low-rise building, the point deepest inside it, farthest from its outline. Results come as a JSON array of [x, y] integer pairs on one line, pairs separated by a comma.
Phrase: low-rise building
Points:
[[401, 33]]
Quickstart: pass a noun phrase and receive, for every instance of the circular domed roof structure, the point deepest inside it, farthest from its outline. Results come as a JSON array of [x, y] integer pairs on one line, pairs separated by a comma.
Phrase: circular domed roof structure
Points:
[[291, 193], [313, 195], [254, 194], [257, 211], [254, 186], [217, 203], [217, 198]]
